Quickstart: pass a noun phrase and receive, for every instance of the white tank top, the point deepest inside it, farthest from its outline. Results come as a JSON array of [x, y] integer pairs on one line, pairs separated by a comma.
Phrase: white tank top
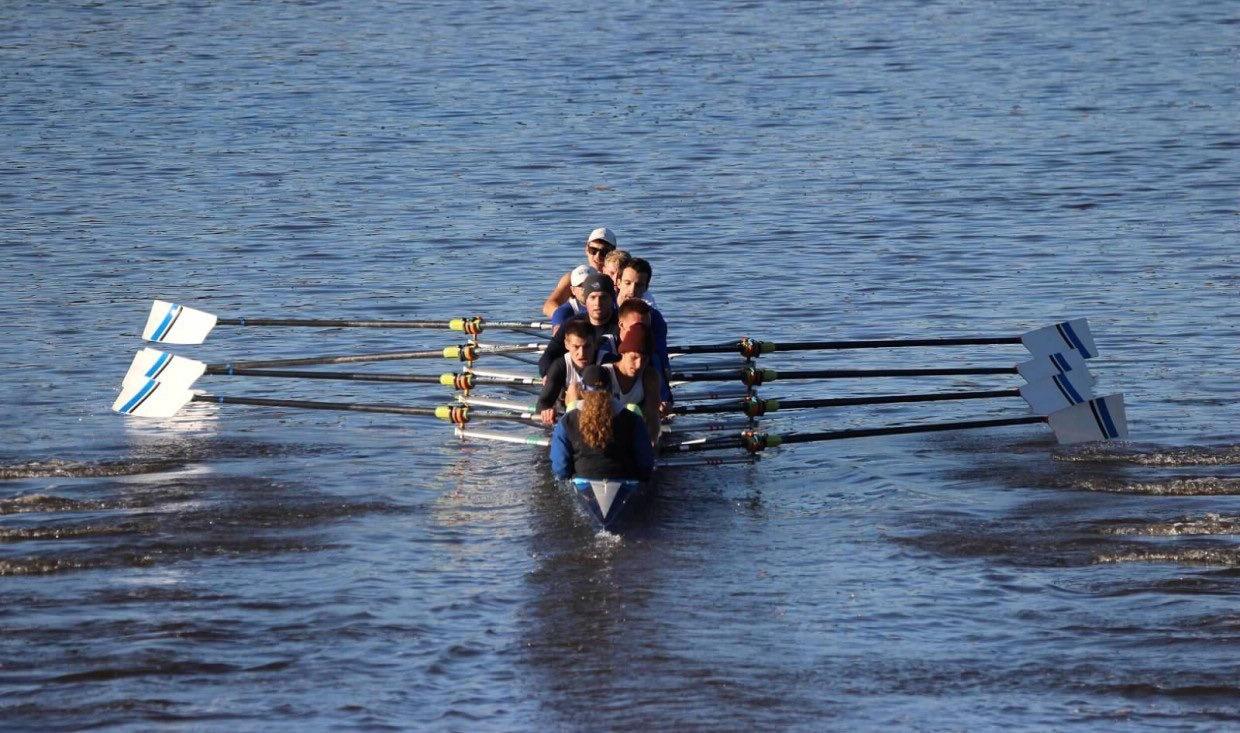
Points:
[[572, 375], [635, 394]]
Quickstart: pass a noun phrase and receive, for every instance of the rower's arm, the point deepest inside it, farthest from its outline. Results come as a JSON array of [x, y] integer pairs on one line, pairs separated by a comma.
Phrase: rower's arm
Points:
[[650, 403], [559, 294], [561, 452], [553, 386], [643, 451], [555, 351]]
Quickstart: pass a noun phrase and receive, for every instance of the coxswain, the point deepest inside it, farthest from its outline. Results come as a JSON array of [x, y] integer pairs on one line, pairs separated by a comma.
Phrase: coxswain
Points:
[[600, 314], [565, 373], [574, 306], [596, 440], [600, 242]]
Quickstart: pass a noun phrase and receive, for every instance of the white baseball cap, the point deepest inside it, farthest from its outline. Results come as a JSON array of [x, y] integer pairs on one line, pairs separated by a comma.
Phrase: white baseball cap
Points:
[[580, 273], [604, 234]]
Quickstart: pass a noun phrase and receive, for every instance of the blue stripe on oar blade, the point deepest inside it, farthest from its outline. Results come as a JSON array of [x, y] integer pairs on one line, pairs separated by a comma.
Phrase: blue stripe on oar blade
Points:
[[1061, 363], [139, 398], [1068, 390], [165, 325], [159, 365], [1069, 335], [1105, 417]]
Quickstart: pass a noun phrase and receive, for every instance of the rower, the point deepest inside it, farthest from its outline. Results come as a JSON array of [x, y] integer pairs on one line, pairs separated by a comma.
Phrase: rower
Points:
[[595, 440], [600, 242], [635, 311], [565, 373], [634, 380], [574, 306], [634, 283], [599, 295], [614, 264]]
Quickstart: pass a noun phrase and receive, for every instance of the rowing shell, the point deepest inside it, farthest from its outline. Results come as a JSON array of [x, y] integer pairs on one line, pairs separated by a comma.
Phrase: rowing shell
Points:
[[606, 502]]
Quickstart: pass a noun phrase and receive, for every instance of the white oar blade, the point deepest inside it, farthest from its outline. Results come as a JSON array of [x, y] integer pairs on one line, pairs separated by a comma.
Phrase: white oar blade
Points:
[[150, 398], [1071, 335], [1046, 366], [1055, 393], [1101, 418], [164, 367], [170, 323]]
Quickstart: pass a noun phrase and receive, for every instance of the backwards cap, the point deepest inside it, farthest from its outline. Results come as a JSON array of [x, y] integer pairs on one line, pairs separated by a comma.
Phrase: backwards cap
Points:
[[594, 379], [604, 234], [580, 274]]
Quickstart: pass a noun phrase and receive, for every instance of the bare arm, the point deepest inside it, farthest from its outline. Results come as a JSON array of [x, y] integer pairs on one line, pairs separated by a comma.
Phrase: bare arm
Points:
[[558, 296]]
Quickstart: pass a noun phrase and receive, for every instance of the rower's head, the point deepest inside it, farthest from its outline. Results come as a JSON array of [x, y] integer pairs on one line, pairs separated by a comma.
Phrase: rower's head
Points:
[[615, 262], [578, 276], [634, 350], [598, 245], [600, 295], [631, 312], [634, 280], [578, 343]]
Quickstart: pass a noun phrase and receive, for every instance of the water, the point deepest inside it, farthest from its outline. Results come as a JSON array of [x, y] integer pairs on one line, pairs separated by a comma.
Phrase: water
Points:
[[792, 171]]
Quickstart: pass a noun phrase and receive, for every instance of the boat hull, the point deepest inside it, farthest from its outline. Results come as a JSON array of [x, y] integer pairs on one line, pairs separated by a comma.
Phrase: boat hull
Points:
[[608, 502]]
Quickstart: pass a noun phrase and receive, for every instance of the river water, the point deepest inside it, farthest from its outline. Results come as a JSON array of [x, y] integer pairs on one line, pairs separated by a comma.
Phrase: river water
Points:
[[793, 171]]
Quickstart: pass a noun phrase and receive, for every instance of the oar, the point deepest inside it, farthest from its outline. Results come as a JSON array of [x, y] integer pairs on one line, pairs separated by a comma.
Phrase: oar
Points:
[[154, 364], [1043, 397], [161, 399], [1101, 418], [171, 323], [1036, 369], [1073, 335]]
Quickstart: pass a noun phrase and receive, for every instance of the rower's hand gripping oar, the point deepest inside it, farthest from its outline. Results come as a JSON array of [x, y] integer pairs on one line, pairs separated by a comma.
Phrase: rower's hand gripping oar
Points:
[[1073, 335], [170, 323], [1101, 418]]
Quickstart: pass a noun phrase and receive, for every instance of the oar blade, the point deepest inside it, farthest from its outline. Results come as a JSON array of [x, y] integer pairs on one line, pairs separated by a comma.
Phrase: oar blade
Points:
[[1101, 418], [1046, 366], [164, 367], [1055, 393], [1073, 335], [151, 398], [170, 323]]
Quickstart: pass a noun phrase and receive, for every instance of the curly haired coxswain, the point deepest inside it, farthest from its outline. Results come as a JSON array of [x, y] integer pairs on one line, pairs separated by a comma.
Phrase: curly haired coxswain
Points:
[[595, 440]]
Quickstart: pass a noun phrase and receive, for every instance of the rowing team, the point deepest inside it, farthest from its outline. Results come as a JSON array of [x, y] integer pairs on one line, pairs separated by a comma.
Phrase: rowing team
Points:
[[605, 371]]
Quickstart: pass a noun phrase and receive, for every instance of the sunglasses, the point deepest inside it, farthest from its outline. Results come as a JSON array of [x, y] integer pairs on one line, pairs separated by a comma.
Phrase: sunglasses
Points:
[[599, 250]]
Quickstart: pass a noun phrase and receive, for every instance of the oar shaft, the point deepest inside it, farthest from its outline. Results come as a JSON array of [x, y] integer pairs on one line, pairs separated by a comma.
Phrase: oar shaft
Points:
[[443, 412], [330, 323], [758, 407], [452, 352], [908, 429], [891, 343], [456, 324], [308, 405], [757, 376], [338, 376], [753, 348]]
